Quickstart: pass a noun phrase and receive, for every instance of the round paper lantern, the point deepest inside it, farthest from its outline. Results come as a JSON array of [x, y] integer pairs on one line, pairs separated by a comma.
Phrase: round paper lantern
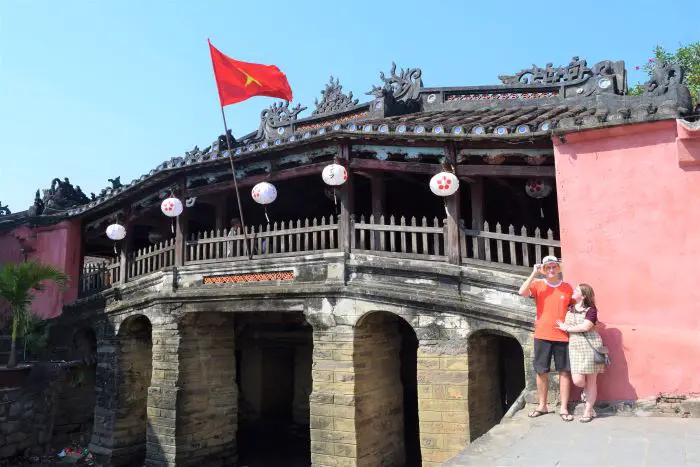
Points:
[[116, 232], [264, 193], [444, 184], [171, 207], [334, 175], [538, 188]]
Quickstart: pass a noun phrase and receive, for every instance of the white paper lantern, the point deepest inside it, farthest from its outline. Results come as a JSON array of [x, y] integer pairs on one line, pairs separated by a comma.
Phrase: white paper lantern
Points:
[[538, 188], [171, 207], [264, 193], [334, 174], [444, 184], [116, 232]]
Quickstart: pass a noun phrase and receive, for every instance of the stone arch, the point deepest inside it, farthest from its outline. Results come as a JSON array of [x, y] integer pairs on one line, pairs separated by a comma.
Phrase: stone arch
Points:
[[386, 407], [134, 372], [496, 362]]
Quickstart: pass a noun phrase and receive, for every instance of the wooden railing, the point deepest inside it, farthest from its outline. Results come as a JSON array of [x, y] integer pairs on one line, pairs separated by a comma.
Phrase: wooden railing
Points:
[[511, 248], [417, 240], [152, 258], [402, 237], [99, 276], [270, 241]]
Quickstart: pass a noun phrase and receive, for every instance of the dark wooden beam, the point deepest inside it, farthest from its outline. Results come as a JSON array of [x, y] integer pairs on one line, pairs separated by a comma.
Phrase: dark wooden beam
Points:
[[464, 172], [347, 203], [181, 229], [523, 171], [284, 174], [452, 206]]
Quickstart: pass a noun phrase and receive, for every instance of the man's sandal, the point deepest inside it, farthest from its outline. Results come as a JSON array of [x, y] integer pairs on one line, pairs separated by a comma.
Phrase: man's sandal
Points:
[[566, 417], [585, 419], [537, 413]]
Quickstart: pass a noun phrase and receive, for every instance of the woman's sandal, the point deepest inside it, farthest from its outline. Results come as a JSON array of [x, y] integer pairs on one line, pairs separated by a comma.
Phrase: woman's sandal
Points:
[[585, 419], [566, 417], [537, 413]]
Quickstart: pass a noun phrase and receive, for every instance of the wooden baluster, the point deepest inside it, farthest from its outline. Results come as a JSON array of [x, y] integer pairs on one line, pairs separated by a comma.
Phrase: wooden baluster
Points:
[[476, 242], [538, 247], [331, 233], [314, 233], [425, 245], [282, 238], [463, 239], [511, 244], [323, 233], [297, 243], [362, 233], [290, 237], [381, 234], [392, 234], [436, 236], [550, 237], [487, 243], [499, 243], [272, 247], [525, 246], [306, 234], [403, 235], [372, 236], [414, 241], [353, 233], [259, 240]]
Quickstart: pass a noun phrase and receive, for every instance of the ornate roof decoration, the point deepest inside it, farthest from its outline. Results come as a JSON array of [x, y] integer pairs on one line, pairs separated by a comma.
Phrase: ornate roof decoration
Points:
[[403, 88], [59, 197], [278, 115], [4, 210], [115, 182], [222, 141], [334, 100], [196, 154], [576, 71]]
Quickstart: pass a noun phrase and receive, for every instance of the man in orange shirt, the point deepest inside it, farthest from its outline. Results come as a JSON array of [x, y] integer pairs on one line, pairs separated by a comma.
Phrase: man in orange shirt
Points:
[[552, 298]]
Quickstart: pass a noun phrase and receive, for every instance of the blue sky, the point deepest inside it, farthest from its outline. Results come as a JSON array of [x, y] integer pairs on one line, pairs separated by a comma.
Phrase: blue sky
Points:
[[90, 90]]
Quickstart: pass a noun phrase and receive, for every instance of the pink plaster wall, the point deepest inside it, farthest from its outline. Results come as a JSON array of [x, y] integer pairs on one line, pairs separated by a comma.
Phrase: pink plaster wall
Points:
[[56, 245], [629, 207]]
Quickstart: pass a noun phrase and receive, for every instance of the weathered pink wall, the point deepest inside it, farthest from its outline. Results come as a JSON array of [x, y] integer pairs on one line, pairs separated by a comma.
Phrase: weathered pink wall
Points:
[[57, 245], [629, 207]]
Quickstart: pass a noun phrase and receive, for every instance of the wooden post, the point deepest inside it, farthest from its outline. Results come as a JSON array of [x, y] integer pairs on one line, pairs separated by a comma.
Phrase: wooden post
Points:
[[347, 198], [127, 245], [181, 229], [378, 193], [476, 190], [452, 203], [222, 222]]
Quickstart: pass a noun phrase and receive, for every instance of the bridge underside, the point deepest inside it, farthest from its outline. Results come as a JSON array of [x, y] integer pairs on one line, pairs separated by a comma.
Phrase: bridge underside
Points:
[[353, 361]]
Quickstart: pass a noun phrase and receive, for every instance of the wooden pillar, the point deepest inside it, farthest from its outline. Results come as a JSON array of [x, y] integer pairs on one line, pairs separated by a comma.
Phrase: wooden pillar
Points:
[[477, 204], [222, 221], [452, 203], [181, 228], [378, 193], [347, 198], [126, 246]]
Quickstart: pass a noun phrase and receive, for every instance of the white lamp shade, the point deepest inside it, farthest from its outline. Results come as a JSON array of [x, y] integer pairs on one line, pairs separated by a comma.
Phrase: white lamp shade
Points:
[[444, 184], [264, 193], [334, 175], [116, 232], [538, 188], [171, 207]]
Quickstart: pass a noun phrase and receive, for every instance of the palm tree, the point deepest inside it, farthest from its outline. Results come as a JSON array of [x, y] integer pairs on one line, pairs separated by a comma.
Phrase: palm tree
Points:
[[17, 285]]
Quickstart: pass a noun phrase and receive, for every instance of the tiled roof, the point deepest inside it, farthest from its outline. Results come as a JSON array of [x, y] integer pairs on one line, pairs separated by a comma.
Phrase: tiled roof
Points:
[[535, 102]]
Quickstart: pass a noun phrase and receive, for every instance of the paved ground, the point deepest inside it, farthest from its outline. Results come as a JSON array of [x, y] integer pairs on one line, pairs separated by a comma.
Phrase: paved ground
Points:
[[606, 441]]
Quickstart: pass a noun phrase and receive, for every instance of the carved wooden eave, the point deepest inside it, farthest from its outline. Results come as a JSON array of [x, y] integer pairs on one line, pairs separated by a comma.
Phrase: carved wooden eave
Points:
[[523, 113]]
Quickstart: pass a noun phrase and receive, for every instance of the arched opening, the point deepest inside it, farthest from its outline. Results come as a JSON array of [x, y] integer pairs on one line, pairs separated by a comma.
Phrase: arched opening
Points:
[[496, 378], [134, 364], [274, 358], [74, 419], [386, 408]]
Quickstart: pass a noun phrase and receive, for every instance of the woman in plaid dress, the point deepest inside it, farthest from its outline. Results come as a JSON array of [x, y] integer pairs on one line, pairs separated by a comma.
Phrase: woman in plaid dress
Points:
[[580, 321]]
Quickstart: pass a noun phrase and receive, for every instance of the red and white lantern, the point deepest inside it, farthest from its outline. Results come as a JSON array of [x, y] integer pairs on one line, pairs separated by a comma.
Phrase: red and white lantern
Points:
[[444, 184], [171, 207], [264, 193], [538, 188], [334, 175]]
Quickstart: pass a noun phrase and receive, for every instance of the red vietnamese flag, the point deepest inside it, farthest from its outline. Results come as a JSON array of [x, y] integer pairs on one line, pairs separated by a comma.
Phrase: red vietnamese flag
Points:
[[238, 81]]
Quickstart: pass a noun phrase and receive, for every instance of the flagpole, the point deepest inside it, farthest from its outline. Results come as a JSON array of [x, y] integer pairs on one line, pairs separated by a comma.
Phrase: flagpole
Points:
[[235, 185]]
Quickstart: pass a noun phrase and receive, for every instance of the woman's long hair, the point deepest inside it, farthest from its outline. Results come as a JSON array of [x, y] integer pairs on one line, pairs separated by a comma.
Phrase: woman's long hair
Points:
[[588, 295]]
